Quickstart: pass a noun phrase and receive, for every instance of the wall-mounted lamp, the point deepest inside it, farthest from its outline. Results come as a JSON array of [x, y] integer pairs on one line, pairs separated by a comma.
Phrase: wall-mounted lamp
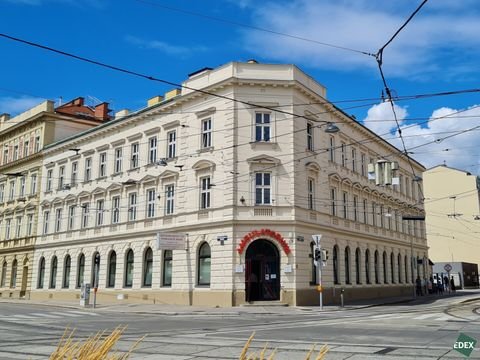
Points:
[[331, 128], [76, 150], [180, 167], [242, 200]]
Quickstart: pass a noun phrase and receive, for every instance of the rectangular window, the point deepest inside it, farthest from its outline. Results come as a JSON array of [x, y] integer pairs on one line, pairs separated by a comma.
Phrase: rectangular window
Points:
[[354, 160], [151, 203], [85, 211], [355, 208], [26, 148], [345, 205], [169, 199], [88, 169], [206, 133], [132, 207], [331, 150], [46, 219], [262, 126], [29, 225], [100, 209], [152, 150], [11, 194], [58, 220], [37, 143], [5, 154], [102, 170], [18, 231], [73, 179], [407, 186], [2, 193], [8, 224], [118, 160], [171, 144], [365, 211], [115, 209], [71, 217], [333, 198], [61, 177], [134, 156], [205, 193], [311, 194], [413, 189], [23, 181], [374, 214], [363, 165], [382, 214], [263, 188], [15, 152], [33, 184], [389, 218], [49, 180], [400, 184], [310, 137], [342, 153]]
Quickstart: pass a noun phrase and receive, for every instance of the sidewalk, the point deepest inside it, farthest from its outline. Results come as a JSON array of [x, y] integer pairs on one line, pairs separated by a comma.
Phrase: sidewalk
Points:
[[162, 309]]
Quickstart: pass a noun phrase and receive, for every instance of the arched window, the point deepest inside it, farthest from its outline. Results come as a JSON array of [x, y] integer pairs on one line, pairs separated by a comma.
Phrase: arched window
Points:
[[336, 277], [129, 269], [385, 279], [312, 264], [67, 267], [204, 264], [4, 274], [13, 278], [147, 267], [367, 266], [347, 265], [41, 272], [405, 265], [392, 267], [377, 281], [399, 262], [112, 269], [53, 273], [80, 270], [167, 268], [357, 265]]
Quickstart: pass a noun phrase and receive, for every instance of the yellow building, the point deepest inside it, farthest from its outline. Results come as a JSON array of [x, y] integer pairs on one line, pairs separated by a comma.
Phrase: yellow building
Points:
[[22, 139], [452, 215]]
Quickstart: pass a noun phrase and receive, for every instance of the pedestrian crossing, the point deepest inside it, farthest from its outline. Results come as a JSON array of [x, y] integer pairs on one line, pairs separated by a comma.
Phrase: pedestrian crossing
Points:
[[437, 316], [41, 317]]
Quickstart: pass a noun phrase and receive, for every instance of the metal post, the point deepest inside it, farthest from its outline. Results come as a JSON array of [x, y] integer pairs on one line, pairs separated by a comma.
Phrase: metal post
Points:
[[341, 297], [414, 282], [319, 280], [95, 286]]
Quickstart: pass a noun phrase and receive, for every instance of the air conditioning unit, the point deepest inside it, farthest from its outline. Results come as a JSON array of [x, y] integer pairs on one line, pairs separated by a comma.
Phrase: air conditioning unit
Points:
[[162, 162], [66, 187]]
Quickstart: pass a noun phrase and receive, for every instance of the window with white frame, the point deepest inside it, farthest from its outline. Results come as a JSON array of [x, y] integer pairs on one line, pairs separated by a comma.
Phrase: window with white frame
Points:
[[46, 219], [389, 218], [333, 199], [2, 192], [345, 205], [100, 209], [206, 133], [49, 180], [132, 206], [37, 143], [115, 209], [134, 161], [311, 193], [61, 177], [342, 154], [71, 217], [15, 152], [262, 126], [365, 211], [5, 154], [118, 160], [18, 231], [8, 224], [33, 184], [310, 145], [205, 192], [88, 169], [169, 199], [331, 150], [29, 230], [355, 207], [85, 213], [374, 214], [11, 194], [382, 214], [58, 219], [74, 175], [171, 144], [263, 188], [400, 184], [102, 167], [363, 165], [407, 186], [354, 160], [152, 150], [26, 149], [151, 203]]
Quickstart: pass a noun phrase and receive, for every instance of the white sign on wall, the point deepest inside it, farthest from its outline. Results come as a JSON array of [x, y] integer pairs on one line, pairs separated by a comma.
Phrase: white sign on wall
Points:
[[171, 241]]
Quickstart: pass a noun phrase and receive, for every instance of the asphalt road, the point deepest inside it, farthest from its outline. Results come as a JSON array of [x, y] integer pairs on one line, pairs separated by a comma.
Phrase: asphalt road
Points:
[[426, 331]]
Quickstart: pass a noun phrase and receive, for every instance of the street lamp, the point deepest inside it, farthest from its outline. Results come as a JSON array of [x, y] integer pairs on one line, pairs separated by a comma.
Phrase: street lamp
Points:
[[331, 128], [413, 218]]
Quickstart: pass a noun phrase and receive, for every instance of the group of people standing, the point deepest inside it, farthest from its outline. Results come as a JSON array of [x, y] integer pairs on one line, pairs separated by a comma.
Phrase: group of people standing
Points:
[[429, 286]]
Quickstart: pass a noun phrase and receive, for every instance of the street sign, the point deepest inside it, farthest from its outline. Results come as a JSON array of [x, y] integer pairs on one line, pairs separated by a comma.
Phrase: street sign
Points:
[[448, 267], [317, 238], [170, 241]]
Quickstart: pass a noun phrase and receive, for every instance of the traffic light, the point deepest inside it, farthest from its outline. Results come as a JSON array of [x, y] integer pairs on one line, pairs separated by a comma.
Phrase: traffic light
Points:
[[318, 254], [97, 259]]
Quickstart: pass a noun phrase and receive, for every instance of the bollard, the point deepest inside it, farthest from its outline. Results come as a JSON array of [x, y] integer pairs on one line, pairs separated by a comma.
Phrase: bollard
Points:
[[341, 297]]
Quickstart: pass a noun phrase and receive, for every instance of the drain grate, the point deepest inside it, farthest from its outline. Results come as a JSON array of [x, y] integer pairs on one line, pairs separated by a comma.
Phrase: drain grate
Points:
[[386, 350]]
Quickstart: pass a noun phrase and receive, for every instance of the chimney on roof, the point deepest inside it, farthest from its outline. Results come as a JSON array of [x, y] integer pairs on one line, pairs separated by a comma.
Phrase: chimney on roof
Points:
[[121, 113], [172, 93], [101, 111], [3, 118], [154, 100]]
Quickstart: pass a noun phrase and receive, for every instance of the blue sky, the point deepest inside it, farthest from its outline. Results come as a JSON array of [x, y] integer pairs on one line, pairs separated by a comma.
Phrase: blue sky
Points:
[[438, 51]]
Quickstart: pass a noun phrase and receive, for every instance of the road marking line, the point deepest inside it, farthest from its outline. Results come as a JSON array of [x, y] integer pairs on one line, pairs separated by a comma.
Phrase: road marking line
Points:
[[444, 318], [380, 316], [426, 316], [65, 314], [27, 317], [46, 315], [82, 313]]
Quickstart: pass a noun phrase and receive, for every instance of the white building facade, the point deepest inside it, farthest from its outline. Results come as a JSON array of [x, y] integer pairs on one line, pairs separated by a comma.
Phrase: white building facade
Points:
[[247, 158]]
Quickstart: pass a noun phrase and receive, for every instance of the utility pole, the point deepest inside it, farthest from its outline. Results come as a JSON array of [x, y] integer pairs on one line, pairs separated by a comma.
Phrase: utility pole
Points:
[[95, 278]]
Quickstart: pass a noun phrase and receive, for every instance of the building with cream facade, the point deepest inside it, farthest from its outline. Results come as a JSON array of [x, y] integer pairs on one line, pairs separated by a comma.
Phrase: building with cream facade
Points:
[[245, 160], [22, 139]]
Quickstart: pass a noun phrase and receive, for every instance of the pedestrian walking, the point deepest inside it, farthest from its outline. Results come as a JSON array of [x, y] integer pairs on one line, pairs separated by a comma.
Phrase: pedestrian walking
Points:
[[418, 285], [430, 286], [446, 283], [452, 285]]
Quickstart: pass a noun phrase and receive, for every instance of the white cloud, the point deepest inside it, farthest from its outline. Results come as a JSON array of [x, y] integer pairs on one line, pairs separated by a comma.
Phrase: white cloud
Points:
[[14, 106], [174, 50], [362, 25], [459, 151]]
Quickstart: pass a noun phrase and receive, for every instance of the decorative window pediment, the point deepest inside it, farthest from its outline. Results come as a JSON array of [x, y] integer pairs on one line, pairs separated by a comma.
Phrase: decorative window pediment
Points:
[[168, 174], [113, 187], [98, 191], [263, 159], [204, 165], [312, 166], [148, 179]]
